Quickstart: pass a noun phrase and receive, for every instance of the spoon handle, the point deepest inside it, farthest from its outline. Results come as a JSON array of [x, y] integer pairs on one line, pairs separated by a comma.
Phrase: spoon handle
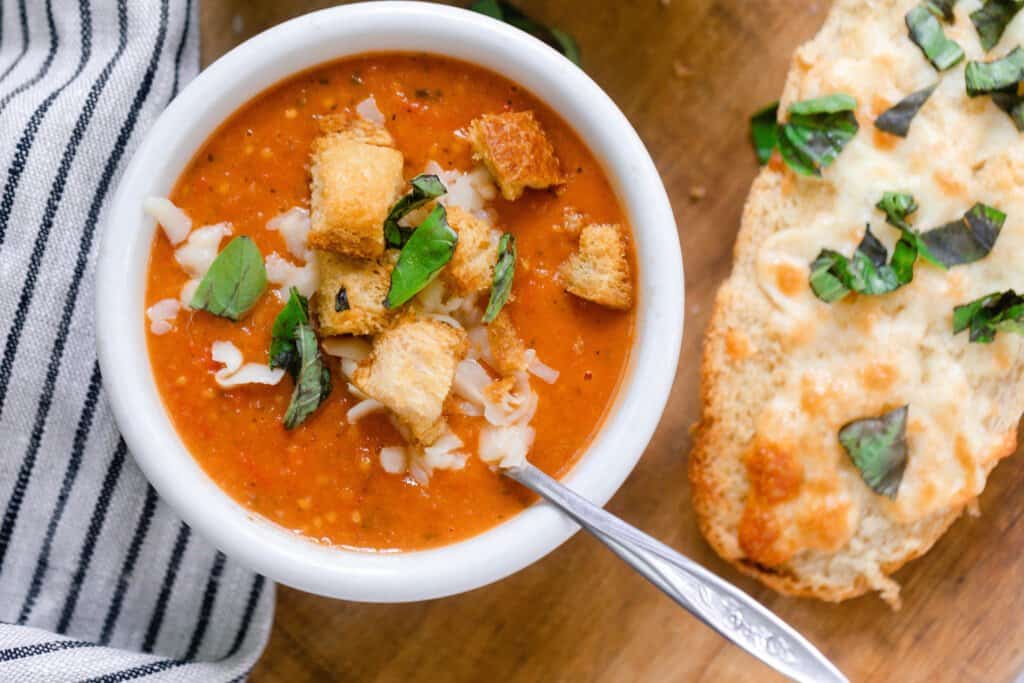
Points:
[[714, 601]]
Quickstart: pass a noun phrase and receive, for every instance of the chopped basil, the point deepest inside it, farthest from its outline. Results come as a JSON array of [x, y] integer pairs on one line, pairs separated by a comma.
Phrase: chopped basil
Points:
[[234, 282], [504, 272], [1001, 80], [313, 384], [424, 188], [985, 78], [293, 346], [283, 351], [897, 207], [896, 120], [817, 131], [764, 132], [428, 249], [828, 104], [833, 275], [927, 33], [510, 14], [996, 312], [968, 239], [341, 301], [943, 9], [1013, 105], [878, 448], [992, 19]]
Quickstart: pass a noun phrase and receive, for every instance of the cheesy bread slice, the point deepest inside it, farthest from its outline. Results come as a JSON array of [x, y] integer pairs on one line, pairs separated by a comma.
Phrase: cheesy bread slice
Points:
[[776, 492]]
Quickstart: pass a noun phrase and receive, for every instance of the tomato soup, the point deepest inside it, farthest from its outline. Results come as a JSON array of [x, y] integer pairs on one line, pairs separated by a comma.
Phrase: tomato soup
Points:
[[324, 478]]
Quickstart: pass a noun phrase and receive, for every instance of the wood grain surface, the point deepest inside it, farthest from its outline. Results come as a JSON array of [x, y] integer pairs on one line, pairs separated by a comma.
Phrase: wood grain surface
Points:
[[687, 73]]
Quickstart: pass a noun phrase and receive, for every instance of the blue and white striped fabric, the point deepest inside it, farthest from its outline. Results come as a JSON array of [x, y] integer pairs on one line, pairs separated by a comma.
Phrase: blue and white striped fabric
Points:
[[98, 579]]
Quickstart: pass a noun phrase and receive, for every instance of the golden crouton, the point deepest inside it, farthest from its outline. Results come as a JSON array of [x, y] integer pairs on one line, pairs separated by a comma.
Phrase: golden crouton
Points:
[[599, 270], [516, 151], [507, 348], [472, 265], [360, 309], [357, 178], [410, 370], [357, 130]]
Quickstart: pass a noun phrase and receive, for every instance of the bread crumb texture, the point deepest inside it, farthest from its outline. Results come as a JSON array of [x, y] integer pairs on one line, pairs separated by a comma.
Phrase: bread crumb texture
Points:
[[471, 269], [516, 150], [350, 297], [410, 370], [599, 269], [356, 178]]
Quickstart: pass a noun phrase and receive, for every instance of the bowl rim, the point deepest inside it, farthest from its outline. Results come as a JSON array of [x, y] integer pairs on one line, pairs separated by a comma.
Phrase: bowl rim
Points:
[[202, 106]]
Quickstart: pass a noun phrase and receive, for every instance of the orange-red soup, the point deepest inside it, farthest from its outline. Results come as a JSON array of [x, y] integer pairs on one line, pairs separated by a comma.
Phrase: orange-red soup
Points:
[[323, 479]]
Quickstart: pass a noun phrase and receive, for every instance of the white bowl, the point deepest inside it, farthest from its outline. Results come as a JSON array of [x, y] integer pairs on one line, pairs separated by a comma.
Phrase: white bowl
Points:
[[215, 95]]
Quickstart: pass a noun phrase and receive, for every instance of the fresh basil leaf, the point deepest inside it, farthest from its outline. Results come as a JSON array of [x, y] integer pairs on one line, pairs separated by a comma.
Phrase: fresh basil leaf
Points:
[[313, 383], [424, 189], [897, 207], [827, 104], [234, 282], [986, 78], [428, 250], [992, 313], [1001, 79], [966, 240], [793, 156], [817, 131], [283, 351], [1013, 104], [897, 119], [878, 448], [504, 272], [833, 275], [942, 9], [764, 132], [510, 14], [567, 45], [926, 32], [992, 19]]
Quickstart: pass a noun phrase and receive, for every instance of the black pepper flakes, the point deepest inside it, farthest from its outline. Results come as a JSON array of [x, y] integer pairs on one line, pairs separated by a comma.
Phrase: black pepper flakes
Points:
[[341, 301]]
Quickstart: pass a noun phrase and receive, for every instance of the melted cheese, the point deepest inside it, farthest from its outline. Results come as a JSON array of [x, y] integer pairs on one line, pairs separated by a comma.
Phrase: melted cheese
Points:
[[235, 373], [865, 355]]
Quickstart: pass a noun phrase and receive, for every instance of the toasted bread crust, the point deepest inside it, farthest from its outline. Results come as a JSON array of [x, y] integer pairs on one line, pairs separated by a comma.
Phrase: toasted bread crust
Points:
[[366, 286], [743, 366], [356, 178], [410, 370], [516, 150], [599, 269], [471, 268]]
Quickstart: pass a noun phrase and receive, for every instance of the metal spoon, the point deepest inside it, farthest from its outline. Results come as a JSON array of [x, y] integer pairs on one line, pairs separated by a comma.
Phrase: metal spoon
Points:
[[717, 603]]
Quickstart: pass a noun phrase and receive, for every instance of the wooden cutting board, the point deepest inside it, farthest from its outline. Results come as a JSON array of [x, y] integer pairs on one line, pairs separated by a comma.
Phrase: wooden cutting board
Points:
[[687, 73]]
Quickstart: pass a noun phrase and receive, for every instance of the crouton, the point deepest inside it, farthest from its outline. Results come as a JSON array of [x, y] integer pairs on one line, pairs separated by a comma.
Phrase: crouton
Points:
[[357, 178], [360, 310], [471, 269], [357, 130], [507, 349], [410, 370], [599, 270], [516, 151]]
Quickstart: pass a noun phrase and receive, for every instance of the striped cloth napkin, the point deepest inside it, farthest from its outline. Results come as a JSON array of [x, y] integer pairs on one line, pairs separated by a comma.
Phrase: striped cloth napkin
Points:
[[98, 579]]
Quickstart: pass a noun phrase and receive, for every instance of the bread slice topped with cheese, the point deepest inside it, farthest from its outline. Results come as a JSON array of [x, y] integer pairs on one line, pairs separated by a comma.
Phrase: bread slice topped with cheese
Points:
[[863, 368]]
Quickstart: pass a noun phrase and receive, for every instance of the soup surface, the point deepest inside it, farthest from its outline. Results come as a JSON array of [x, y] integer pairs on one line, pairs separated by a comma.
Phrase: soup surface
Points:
[[324, 478]]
